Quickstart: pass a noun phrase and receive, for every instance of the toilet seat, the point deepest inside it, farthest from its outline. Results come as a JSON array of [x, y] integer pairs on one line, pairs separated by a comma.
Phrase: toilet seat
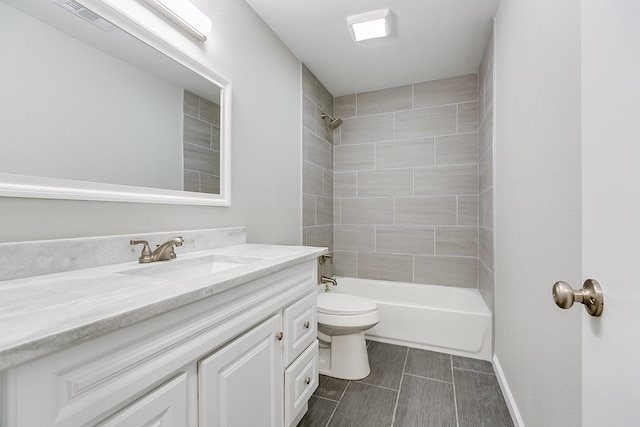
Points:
[[344, 305]]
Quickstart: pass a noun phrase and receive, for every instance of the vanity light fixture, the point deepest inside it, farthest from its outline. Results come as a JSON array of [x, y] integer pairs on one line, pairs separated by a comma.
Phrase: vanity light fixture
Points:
[[184, 14], [370, 25]]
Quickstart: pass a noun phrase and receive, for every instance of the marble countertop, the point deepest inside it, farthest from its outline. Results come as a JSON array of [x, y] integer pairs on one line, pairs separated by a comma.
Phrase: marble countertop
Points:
[[43, 314]]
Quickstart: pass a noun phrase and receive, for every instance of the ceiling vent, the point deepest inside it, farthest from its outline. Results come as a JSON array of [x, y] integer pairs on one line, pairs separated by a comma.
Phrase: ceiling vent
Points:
[[86, 14]]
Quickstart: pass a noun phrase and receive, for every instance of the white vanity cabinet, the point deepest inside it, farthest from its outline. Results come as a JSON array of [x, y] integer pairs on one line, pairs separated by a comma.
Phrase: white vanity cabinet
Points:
[[243, 357], [242, 383]]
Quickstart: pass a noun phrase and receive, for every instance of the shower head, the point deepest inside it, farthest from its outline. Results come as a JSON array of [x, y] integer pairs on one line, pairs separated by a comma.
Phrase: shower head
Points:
[[332, 122]]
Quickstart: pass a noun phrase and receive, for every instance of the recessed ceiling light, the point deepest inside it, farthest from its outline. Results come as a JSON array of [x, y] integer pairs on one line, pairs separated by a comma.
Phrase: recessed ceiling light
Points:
[[370, 25]]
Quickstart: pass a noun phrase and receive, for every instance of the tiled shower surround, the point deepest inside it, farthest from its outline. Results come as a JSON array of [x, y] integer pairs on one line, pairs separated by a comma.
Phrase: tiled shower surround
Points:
[[485, 215], [406, 183], [403, 190], [317, 164], [201, 145]]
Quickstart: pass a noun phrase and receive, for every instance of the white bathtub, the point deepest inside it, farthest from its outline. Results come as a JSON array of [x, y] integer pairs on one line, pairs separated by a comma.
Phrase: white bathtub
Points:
[[439, 318]]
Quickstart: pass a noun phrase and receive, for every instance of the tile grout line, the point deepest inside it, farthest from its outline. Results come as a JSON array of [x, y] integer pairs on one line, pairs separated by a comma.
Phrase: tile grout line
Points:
[[455, 399], [325, 398], [473, 370], [430, 379], [395, 407], [408, 139], [336, 408], [374, 385]]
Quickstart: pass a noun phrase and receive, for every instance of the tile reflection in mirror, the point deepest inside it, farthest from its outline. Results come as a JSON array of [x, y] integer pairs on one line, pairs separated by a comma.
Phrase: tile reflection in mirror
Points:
[[201, 139]]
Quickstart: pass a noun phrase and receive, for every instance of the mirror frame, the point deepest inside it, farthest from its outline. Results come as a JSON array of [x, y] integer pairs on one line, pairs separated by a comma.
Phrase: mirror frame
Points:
[[52, 188]]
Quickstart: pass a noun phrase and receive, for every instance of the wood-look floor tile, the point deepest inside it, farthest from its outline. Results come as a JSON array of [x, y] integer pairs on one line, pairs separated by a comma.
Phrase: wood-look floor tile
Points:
[[330, 388], [425, 395], [319, 413], [473, 364], [480, 401], [365, 405], [429, 364], [425, 403], [386, 362]]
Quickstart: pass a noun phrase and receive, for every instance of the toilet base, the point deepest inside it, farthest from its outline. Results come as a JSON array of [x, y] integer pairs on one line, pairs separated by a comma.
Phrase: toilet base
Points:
[[346, 357]]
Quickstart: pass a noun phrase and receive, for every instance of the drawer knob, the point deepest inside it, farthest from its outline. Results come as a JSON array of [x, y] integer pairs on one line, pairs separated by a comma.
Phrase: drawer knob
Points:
[[306, 325], [307, 381], [279, 336]]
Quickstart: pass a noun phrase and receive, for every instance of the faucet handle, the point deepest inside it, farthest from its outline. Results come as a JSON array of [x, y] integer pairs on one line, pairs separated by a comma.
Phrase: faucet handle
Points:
[[323, 258], [146, 250]]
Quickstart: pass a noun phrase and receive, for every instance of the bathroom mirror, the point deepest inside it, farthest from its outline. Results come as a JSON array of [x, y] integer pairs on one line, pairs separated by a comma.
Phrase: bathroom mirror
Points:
[[109, 112]]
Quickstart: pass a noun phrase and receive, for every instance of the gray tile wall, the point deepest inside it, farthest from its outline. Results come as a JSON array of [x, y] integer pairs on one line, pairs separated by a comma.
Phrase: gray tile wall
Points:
[[201, 144], [406, 188], [317, 164], [486, 251]]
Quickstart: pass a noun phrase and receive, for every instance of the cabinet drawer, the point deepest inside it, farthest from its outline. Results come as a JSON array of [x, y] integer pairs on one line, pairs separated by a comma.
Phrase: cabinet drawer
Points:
[[300, 381], [300, 327], [165, 406]]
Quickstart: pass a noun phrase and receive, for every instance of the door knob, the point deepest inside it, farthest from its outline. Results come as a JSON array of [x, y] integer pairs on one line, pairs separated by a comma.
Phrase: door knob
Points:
[[590, 295]]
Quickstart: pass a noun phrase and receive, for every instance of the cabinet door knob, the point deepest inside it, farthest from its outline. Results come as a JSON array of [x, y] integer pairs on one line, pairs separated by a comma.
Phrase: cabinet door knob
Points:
[[279, 336], [307, 381], [306, 325]]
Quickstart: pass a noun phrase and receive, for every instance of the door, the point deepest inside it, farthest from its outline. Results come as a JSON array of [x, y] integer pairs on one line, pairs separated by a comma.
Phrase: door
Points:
[[611, 209], [241, 384]]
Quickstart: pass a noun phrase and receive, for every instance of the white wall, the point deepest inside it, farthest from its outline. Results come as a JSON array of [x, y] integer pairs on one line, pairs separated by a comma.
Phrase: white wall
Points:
[[266, 149], [537, 206]]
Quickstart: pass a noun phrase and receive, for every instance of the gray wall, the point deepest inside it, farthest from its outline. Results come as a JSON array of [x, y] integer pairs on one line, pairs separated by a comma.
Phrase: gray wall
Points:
[[485, 176], [105, 111], [406, 183], [537, 206], [317, 163], [266, 148]]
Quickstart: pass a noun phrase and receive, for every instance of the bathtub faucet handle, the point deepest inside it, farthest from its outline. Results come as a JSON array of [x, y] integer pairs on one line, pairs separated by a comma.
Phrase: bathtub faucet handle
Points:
[[326, 280], [323, 258]]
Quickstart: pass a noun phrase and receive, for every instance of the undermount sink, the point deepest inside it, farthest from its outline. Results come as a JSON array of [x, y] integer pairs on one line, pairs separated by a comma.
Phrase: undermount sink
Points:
[[189, 270]]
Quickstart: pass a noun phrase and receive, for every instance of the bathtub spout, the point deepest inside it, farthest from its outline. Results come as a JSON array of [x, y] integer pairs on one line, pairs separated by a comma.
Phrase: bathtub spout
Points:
[[326, 280]]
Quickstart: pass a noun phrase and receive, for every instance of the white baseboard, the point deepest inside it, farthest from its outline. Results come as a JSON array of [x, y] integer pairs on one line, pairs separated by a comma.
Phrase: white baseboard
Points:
[[506, 392]]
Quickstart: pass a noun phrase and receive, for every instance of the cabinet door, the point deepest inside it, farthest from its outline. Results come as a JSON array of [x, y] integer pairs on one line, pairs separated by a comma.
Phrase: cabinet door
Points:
[[241, 384], [165, 406]]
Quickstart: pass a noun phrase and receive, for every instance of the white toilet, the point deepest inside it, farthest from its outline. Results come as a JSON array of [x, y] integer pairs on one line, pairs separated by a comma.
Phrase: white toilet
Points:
[[342, 320]]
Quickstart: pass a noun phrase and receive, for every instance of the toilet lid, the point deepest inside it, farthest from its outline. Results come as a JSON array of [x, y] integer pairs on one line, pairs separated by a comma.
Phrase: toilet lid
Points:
[[344, 304]]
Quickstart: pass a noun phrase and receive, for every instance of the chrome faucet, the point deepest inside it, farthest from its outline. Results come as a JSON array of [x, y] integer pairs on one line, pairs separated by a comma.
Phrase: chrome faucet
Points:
[[163, 252], [326, 280]]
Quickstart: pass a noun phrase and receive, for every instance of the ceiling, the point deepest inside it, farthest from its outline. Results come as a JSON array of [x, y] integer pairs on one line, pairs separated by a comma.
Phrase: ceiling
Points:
[[430, 39]]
